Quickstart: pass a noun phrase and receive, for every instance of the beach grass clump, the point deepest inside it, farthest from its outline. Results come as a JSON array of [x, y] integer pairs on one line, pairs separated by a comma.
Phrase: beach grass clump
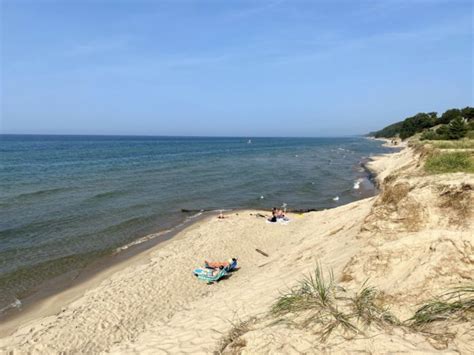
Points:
[[318, 302], [314, 291], [368, 310], [316, 298], [457, 304], [454, 144], [451, 162], [233, 342]]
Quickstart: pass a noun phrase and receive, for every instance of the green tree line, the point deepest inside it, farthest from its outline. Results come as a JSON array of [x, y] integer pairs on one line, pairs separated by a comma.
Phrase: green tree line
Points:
[[453, 124]]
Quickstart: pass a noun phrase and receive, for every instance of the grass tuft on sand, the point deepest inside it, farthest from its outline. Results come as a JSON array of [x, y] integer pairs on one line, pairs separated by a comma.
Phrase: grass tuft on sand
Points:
[[451, 162], [457, 304], [321, 302], [313, 291], [367, 309]]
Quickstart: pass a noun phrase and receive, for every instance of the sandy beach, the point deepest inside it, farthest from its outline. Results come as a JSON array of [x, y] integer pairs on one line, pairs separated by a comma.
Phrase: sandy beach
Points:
[[409, 242]]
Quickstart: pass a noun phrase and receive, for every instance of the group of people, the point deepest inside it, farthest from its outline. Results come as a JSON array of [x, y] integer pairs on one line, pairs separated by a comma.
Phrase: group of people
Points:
[[277, 213]]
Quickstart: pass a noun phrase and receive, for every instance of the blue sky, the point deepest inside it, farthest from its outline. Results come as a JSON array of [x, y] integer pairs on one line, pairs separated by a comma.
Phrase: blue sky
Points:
[[233, 68]]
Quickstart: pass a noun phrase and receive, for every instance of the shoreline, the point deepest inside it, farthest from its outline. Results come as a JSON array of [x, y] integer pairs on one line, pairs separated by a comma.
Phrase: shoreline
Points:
[[50, 296], [157, 305], [69, 286], [46, 302]]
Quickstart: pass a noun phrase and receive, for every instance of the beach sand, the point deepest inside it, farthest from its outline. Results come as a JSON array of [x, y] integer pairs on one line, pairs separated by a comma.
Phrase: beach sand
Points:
[[407, 241]]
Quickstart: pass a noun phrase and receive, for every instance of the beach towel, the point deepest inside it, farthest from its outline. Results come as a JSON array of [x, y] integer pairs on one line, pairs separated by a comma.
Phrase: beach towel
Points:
[[206, 274], [285, 220]]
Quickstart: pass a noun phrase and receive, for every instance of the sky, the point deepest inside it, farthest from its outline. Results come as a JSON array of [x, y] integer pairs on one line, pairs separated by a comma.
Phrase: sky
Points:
[[230, 68]]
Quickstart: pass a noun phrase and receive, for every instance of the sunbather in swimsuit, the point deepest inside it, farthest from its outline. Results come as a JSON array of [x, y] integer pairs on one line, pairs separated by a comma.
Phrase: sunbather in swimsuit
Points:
[[218, 264]]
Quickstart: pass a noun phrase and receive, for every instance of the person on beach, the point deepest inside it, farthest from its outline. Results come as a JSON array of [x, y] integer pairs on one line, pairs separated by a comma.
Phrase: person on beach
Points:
[[274, 216], [216, 271], [280, 213], [218, 264], [221, 216]]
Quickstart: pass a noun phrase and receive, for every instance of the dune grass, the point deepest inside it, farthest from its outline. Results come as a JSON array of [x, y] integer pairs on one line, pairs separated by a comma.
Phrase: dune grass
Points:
[[317, 294], [455, 304], [327, 304], [451, 162], [454, 144], [313, 291], [369, 311], [322, 302]]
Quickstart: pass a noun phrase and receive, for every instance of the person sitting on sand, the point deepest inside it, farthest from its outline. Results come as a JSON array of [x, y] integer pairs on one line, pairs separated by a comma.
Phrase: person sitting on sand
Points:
[[218, 264], [280, 213], [221, 216], [274, 216]]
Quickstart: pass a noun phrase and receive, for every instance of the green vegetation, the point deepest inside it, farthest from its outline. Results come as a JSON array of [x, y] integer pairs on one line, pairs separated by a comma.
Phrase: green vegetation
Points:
[[389, 131], [453, 124], [458, 144], [313, 291], [450, 162], [367, 309], [322, 303], [455, 304]]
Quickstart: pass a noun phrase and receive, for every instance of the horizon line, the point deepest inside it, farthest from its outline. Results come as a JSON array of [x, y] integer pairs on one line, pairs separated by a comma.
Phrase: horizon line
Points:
[[173, 136]]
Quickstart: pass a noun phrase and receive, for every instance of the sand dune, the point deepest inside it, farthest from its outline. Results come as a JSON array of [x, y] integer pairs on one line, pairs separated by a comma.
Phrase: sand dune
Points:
[[412, 241]]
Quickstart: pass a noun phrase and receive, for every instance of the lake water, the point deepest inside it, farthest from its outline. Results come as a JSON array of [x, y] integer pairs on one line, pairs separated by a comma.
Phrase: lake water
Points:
[[66, 201]]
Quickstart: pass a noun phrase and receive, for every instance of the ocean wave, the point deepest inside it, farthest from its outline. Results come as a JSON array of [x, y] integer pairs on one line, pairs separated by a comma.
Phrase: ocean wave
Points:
[[45, 192], [357, 183], [141, 240], [108, 194], [126, 224], [14, 304]]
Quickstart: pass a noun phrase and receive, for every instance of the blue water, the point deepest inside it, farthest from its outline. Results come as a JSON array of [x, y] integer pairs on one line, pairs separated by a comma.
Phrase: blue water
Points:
[[67, 200]]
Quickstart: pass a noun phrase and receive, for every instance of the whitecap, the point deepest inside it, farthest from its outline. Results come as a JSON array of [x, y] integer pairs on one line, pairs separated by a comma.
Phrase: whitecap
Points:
[[357, 184], [15, 304]]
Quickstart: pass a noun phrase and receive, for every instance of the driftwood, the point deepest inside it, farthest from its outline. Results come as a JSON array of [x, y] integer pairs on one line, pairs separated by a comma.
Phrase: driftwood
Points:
[[262, 252]]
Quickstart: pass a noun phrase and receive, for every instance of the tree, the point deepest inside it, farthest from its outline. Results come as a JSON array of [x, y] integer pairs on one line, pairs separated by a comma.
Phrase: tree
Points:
[[415, 124], [457, 128], [449, 115], [468, 113], [434, 116], [429, 135], [442, 132]]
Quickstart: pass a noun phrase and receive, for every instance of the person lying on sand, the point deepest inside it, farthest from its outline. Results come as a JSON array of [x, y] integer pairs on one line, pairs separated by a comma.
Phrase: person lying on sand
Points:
[[219, 264], [216, 271]]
